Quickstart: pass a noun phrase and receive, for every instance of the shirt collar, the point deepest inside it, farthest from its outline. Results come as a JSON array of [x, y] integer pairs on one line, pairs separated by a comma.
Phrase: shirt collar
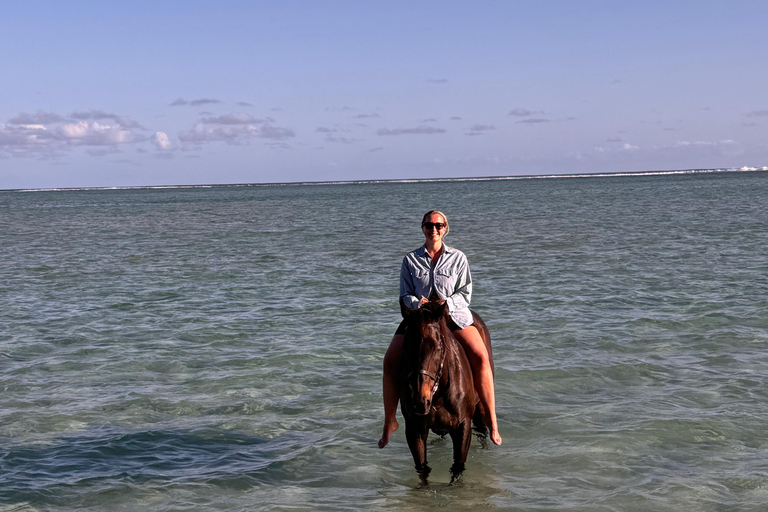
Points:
[[446, 250]]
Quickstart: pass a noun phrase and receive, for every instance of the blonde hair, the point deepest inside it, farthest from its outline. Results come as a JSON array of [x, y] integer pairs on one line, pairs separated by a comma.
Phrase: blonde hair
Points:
[[436, 212]]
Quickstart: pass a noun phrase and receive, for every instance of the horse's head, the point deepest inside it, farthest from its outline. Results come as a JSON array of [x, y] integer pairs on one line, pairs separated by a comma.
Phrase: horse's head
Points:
[[423, 354]]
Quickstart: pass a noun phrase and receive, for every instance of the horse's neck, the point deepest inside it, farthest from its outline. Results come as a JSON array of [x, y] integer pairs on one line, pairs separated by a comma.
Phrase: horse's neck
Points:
[[453, 347], [449, 341]]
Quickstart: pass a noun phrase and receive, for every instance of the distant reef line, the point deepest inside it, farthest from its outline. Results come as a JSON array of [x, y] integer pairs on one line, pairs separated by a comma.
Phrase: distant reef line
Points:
[[412, 180]]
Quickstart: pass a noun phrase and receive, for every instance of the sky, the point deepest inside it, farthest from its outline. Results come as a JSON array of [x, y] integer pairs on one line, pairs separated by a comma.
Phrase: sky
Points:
[[144, 93]]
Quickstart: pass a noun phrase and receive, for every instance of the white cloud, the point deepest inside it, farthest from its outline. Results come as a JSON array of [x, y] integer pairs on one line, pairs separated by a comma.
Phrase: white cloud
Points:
[[49, 134], [94, 134], [686, 143], [203, 132], [98, 115], [161, 142], [25, 140], [237, 118], [236, 128]]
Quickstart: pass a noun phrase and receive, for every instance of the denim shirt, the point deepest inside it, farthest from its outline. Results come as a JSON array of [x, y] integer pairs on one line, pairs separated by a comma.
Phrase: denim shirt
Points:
[[450, 278]]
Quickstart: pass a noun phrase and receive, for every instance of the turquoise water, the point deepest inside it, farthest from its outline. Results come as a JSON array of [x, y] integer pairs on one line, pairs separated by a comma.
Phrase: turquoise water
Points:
[[220, 348]]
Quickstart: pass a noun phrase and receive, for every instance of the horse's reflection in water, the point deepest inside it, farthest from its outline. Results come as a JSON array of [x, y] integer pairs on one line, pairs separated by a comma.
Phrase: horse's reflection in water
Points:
[[436, 386]]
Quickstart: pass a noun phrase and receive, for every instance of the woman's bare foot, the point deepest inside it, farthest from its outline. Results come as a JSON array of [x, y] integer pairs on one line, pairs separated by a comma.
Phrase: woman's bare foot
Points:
[[495, 437], [388, 429]]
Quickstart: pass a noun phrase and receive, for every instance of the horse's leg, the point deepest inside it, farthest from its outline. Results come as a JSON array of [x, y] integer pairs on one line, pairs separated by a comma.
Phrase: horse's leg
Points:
[[478, 423], [417, 442], [461, 437]]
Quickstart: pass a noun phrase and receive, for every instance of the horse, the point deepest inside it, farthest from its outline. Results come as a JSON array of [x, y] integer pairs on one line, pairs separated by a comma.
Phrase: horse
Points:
[[436, 385]]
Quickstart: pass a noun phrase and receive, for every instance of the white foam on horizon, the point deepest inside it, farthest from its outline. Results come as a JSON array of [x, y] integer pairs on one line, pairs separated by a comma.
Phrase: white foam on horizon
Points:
[[406, 180]]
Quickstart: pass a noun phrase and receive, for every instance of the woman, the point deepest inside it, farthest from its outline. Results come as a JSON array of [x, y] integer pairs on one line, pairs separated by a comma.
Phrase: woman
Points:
[[444, 269]]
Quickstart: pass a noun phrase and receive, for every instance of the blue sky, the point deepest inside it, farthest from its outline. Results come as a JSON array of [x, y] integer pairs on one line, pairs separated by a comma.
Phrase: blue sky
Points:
[[151, 93]]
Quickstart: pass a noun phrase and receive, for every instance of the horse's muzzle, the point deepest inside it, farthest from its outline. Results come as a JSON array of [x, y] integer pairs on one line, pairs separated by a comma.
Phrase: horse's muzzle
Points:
[[422, 405], [422, 392], [419, 413]]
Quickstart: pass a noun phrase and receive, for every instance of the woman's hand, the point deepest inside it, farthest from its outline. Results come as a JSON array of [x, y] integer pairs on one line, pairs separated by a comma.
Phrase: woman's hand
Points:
[[423, 301]]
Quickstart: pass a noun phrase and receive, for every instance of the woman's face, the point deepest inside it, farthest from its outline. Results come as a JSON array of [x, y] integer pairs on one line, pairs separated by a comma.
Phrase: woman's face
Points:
[[434, 227]]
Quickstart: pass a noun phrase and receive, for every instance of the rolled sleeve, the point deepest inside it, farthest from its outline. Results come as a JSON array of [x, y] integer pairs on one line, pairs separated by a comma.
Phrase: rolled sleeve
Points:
[[462, 294], [407, 287]]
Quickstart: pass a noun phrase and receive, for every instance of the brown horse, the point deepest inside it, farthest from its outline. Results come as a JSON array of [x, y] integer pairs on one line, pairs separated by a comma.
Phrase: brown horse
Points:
[[437, 390]]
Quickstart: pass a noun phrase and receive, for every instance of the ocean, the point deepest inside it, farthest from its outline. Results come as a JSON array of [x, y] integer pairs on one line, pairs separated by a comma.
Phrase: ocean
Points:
[[219, 348]]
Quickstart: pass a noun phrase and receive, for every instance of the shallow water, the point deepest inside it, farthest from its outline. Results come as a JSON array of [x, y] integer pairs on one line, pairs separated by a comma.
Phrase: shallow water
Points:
[[220, 348]]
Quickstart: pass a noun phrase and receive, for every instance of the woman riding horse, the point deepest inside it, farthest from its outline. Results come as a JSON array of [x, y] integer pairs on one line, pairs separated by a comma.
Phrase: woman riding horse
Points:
[[445, 270]]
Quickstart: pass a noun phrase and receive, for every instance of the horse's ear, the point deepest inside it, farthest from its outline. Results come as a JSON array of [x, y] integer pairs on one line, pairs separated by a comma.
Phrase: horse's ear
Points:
[[434, 297], [436, 309], [441, 309]]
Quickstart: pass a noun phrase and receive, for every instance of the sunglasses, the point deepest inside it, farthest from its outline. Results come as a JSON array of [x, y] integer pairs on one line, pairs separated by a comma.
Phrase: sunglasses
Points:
[[429, 226]]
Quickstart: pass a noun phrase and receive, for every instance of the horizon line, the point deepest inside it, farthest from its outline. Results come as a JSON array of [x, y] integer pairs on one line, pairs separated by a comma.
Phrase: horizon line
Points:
[[406, 180]]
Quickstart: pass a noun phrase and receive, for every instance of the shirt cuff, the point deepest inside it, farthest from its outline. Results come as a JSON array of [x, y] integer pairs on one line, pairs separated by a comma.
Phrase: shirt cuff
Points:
[[411, 302]]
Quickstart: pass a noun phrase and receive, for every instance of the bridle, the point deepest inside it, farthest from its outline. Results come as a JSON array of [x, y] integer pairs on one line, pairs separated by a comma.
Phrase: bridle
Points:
[[434, 376]]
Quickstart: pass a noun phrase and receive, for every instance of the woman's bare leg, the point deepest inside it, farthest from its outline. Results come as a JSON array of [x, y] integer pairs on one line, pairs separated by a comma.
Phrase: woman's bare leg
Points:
[[389, 385], [481, 367]]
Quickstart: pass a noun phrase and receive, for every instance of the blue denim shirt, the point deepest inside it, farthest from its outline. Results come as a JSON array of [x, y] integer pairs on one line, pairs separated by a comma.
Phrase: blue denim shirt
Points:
[[450, 278]]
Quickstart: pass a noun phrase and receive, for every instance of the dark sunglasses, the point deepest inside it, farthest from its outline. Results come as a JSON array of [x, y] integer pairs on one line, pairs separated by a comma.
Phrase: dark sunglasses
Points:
[[433, 225]]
